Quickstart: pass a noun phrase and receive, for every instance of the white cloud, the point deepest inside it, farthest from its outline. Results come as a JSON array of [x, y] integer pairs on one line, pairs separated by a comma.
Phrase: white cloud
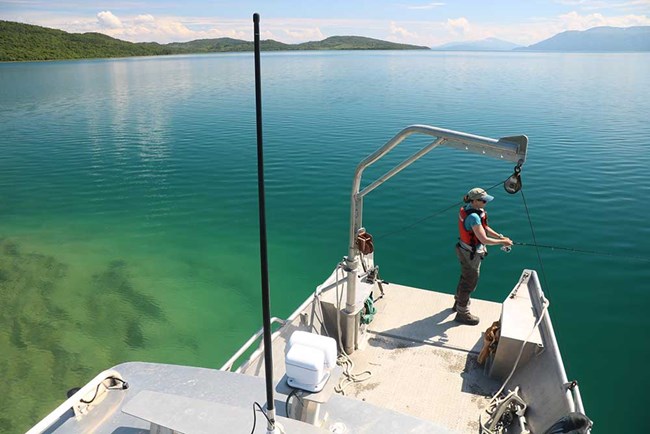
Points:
[[264, 34], [107, 20], [579, 2], [147, 28], [426, 6], [575, 21], [458, 26], [144, 19], [304, 34], [602, 4], [400, 33]]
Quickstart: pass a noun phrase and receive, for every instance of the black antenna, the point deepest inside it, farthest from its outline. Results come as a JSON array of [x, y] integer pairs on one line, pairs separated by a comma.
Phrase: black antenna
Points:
[[266, 299]]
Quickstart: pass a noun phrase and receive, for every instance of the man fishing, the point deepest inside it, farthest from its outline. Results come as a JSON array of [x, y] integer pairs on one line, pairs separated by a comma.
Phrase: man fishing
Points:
[[475, 235]]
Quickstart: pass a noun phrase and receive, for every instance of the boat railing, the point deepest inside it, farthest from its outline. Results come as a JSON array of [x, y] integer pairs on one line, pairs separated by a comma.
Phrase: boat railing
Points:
[[572, 396], [231, 361], [549, 337], [577, 397]]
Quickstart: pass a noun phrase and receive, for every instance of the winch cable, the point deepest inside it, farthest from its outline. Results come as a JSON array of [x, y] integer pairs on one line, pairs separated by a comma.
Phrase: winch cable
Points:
[[433, 215], [532, 231]]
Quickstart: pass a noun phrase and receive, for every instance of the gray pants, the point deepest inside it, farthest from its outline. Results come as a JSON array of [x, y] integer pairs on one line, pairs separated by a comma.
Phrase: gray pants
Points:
[[470, 269]]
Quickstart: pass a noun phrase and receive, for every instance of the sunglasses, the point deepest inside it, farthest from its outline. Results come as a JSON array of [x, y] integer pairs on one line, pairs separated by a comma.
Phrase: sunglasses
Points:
[[482, 200]]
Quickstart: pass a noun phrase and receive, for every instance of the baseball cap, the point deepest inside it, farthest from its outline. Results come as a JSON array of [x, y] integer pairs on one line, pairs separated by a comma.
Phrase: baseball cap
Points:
[[479, 193]]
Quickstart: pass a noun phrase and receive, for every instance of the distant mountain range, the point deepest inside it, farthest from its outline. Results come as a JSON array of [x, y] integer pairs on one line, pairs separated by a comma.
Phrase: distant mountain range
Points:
[[598, 39], [20, 42], [489, 44], [27, 42]]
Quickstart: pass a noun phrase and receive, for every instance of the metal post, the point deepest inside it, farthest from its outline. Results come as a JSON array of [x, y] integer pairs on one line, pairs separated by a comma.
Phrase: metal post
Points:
[[266, 299]]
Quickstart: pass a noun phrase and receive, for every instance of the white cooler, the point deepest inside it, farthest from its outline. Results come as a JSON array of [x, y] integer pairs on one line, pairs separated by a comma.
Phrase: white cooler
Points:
[[309, 360]]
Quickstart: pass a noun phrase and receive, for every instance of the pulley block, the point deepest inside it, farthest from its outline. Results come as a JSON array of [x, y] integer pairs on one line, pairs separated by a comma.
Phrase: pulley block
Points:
[[513, 184]]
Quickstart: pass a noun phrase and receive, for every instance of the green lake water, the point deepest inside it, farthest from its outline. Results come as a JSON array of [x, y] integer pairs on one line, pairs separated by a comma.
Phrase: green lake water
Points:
[[128, 213]]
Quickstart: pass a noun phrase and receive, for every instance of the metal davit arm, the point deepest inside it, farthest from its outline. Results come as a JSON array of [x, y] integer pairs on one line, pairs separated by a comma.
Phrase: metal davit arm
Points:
[[506, 148]]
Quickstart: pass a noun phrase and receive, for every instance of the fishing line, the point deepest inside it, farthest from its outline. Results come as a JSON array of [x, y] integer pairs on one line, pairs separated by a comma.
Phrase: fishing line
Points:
[[589, 252], [432, 215]]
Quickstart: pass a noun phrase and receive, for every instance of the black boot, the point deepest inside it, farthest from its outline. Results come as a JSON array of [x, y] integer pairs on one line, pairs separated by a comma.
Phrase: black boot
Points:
[[466, 318]]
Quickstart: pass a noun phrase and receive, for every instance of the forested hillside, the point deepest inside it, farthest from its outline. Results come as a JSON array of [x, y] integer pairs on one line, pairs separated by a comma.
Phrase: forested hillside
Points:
[[20, 42], [26, 42]]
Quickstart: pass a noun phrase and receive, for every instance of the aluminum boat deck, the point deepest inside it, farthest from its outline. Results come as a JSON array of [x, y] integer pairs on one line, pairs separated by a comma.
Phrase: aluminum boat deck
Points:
[[423, 363]]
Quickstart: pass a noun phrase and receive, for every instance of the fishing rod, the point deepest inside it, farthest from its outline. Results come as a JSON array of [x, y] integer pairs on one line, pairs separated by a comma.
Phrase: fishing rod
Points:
[[455, 205], [512, 185], [589, 252]]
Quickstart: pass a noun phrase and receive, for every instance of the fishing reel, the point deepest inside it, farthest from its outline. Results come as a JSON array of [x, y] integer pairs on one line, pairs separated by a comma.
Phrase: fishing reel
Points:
[[513, 184]]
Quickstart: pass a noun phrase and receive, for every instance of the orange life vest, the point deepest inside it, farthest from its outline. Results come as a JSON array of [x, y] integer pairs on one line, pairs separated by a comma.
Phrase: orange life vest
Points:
[[467, 236]]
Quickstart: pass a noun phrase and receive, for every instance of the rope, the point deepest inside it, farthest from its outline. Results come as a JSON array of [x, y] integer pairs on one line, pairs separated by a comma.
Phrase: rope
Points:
[[541, 317], [432, 215], [348, 376], [315, 302], [344, 359], [532, 230]]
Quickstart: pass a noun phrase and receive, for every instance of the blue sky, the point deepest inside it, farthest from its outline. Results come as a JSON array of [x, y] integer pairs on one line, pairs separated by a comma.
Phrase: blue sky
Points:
[[410, 21]]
